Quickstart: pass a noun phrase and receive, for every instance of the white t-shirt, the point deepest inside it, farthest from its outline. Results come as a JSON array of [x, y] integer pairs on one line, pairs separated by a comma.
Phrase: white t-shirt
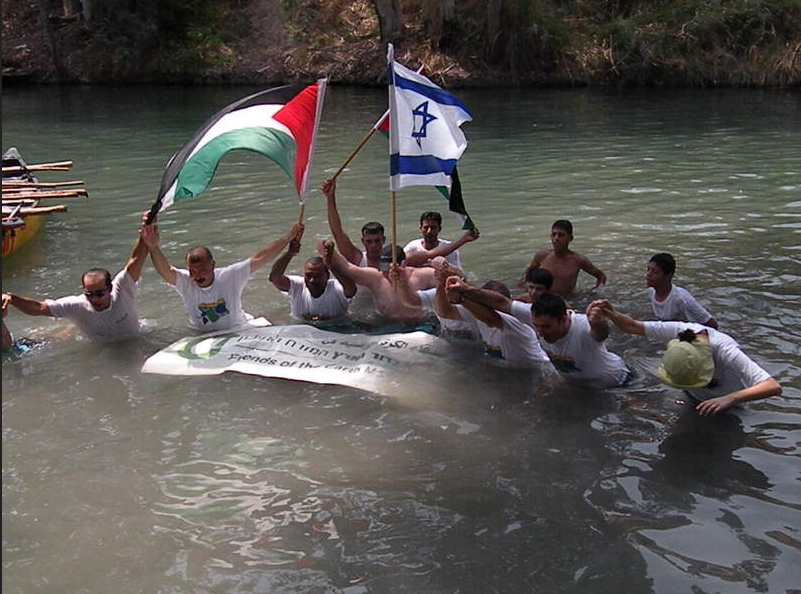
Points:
[[678, 306], [734, 370], [331, 304], [515, 342], [578, 356], [461, 329], [218, 306], [416, 245], [119, 321]]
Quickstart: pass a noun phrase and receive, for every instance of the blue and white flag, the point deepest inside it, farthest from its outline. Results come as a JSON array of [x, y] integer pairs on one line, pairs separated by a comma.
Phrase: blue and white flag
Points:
[[424, 136]]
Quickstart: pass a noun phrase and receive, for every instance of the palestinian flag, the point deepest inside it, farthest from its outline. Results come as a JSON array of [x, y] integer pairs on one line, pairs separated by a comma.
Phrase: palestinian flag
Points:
[[452, 195], [279, 123]]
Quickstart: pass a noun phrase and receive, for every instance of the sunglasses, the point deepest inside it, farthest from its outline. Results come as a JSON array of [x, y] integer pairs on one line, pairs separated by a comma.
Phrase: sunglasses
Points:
[[96, 294]]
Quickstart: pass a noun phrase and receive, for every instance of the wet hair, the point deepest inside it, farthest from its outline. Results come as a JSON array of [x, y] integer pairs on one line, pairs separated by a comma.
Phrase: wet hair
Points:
[[687, 335], [372, 228], [540, 276], [431, 216], [315, 260], [549, 304], [386, 254], [106, 274], [498, 287], [564, 225], [665, 262], [199, 254]]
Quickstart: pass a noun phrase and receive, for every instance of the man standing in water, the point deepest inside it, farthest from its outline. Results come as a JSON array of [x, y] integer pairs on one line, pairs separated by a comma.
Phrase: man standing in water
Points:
[[373, 238], [213, 296], [671, 302], [106, 311], [563, 263]]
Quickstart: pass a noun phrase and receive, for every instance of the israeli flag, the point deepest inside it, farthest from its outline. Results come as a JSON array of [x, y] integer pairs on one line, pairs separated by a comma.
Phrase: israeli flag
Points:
[[425, 140]]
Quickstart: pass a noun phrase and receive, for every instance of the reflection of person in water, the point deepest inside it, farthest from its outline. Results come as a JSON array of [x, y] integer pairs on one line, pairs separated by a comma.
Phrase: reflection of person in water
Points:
[[698, 455]]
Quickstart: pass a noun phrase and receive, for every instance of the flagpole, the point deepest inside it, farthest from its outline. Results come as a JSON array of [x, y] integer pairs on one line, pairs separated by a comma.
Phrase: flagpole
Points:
[[301, 212], [363, 141], [394, 217]]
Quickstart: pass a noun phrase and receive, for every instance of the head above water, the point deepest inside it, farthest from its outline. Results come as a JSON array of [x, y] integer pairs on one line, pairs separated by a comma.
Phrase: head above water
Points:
[[96, 284], [538, 281], [386, 256], [561, 234], [549, 315], [373, 237], [200, 264], [665, 261], [315, 275], [687, 363], [430, 226], [659, 271], [498, 287], [564, 225]]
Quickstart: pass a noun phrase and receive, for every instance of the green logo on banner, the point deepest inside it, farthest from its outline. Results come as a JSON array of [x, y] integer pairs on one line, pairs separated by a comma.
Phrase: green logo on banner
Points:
[[205, 347]]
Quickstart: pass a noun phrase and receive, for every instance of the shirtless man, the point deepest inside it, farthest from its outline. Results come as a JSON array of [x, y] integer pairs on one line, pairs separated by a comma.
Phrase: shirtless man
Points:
[[378, 283], [562, 262], [373, 238]]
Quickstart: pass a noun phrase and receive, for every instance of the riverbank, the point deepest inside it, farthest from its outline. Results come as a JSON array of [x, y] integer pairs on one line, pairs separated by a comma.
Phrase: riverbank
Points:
[[695, 43]]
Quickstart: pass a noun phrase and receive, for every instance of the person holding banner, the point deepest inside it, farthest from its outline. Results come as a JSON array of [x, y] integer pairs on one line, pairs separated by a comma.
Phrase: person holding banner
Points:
[[106, 311], [213, 296], [314, 296]]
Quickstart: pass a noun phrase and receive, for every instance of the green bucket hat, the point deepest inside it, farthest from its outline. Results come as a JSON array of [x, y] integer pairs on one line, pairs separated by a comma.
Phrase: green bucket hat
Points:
[[687, 365]]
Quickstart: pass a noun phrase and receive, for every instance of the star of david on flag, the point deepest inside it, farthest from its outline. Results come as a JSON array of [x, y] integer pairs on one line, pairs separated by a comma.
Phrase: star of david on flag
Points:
[[425, 140]]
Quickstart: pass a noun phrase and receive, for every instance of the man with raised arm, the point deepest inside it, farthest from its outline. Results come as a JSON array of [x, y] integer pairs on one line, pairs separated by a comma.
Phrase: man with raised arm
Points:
[[315, 296], [106, 311], [430, 245], [213, 296], [378, 283], [373, 238], [563, 263]]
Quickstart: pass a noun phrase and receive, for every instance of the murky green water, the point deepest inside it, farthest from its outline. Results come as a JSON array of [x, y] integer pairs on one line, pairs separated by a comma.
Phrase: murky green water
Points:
[[481, 481]]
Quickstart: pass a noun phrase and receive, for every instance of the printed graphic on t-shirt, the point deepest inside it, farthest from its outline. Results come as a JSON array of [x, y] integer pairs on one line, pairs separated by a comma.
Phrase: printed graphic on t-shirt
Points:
[[493, 351], [211, 312], [563, 364]]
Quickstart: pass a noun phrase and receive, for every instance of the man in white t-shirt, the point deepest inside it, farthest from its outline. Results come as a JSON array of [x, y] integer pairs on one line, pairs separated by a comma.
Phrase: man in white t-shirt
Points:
[[431, 245], [706, 363], [503, 335], [575, 342], [314, 296], [106, 311], [670, 302], [213, 296]]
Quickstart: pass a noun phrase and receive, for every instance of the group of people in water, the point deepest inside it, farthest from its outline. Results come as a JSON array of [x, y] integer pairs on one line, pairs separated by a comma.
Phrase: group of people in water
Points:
[[424, 280]]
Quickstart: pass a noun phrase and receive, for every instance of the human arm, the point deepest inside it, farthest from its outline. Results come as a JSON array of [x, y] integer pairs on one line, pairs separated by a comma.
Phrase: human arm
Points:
[[345, 246], [8, 341], [361, 276], [137, 260], [277, 274], [536, 262], [599, 328], [326, 249], [271, 250], [420, 257], [26, 305], [763, 389], [626, 323], [589, 268], [149, 235], [400, 276]]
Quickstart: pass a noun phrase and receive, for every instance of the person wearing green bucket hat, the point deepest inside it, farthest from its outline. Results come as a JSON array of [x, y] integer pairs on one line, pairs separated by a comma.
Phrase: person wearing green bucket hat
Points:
[[707, 364]]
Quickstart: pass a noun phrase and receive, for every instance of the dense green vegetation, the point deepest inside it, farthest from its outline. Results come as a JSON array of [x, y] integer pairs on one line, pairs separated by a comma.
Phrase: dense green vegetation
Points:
[[639, 42]]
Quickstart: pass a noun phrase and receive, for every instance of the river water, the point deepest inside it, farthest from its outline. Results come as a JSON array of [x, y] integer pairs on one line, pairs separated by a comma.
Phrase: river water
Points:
[[479, 479]]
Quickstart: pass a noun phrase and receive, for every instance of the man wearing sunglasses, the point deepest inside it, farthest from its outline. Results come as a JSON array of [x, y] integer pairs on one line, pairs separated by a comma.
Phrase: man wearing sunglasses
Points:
[[105, 311]]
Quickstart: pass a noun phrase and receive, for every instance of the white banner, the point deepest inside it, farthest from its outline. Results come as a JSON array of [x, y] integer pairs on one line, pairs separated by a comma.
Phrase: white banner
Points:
[[380, 364]]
